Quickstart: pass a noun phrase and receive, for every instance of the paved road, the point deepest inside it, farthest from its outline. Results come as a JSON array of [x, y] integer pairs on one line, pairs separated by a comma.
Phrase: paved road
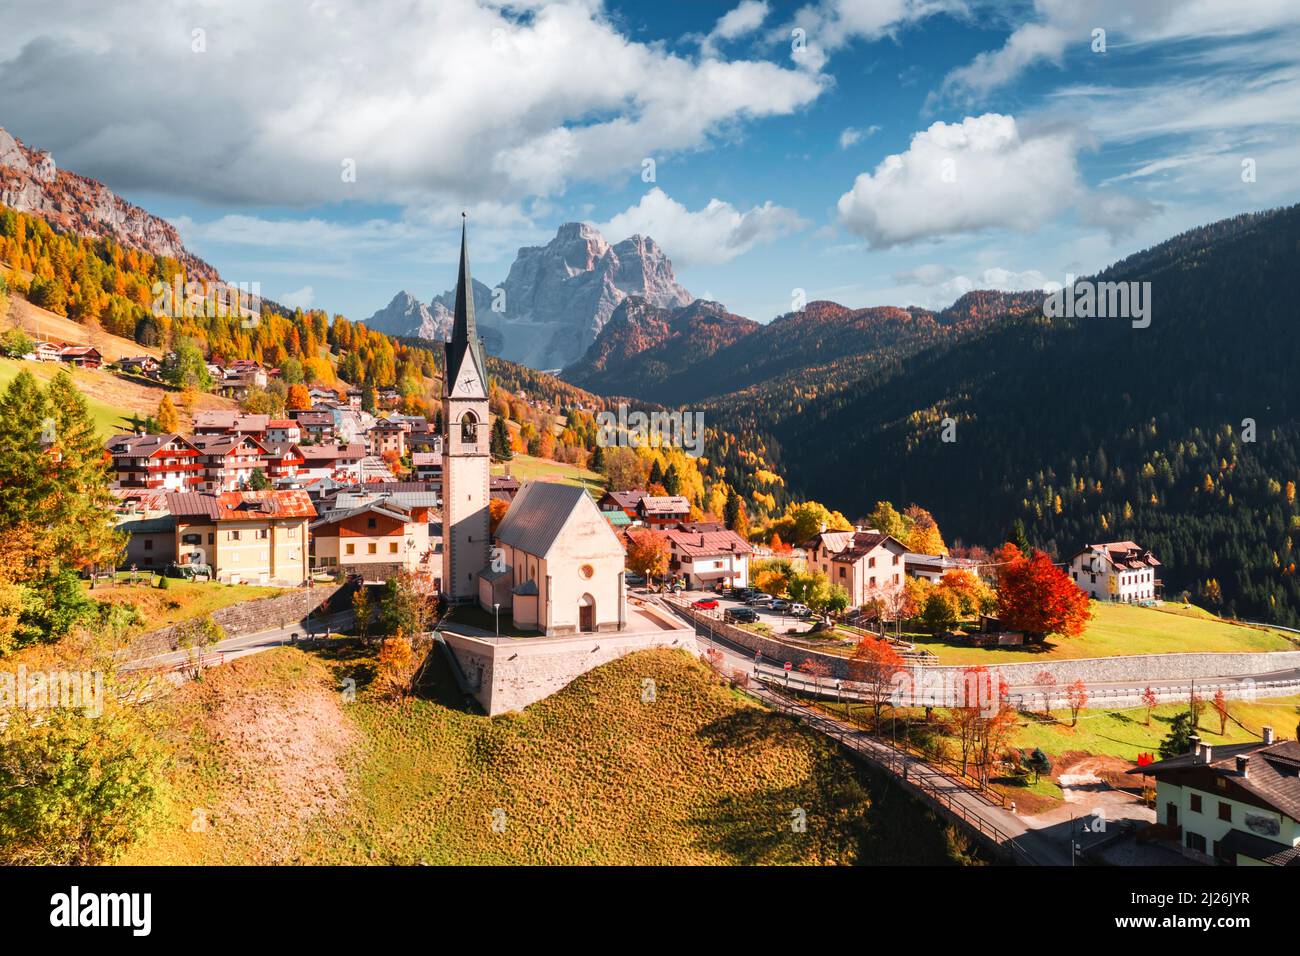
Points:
[[246, 644]]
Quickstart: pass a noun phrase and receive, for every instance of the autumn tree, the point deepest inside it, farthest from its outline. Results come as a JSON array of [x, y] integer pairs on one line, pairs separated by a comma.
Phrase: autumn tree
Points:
[[1045, 681], [497, 509], [1221, 708], [874, 664], [168, 420], [298, 397], [396, 664], [409, 604], [1038, 598], [1076, 698], [1149, 701], [647, 554]]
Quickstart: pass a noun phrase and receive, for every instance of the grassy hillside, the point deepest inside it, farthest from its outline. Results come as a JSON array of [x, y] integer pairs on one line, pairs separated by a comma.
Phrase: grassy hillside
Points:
[[528, 468], [111, 399], [182, 600], [1118, 629], [283, 769]]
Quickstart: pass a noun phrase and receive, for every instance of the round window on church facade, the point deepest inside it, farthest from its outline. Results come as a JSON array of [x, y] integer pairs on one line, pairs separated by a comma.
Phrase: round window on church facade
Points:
[[586, 571]]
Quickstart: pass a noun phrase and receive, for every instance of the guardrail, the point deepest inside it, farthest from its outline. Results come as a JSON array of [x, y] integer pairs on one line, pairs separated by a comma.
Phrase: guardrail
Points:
[[896, 762]]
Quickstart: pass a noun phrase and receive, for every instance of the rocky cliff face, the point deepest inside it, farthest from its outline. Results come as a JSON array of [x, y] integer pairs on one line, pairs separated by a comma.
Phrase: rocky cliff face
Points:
[[559, 296], [30, 182], [555, 300]]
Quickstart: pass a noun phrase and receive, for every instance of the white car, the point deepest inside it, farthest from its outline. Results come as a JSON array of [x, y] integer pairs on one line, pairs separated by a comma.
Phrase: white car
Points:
[[799, 610]]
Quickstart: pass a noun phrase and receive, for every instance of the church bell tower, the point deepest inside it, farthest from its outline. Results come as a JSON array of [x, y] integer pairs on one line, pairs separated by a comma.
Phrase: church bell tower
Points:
[[466, 540]]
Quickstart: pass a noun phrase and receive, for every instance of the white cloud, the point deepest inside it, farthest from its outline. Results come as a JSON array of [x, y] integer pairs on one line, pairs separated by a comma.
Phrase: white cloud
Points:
[[715, 234], [852, 135], [299, 299], [965, 177], [1058, 26], [740, 21], [450, 102], [830, 25]]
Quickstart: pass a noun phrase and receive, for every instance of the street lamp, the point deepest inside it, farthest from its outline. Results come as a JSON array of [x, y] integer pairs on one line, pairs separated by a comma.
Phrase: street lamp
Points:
[[496, 611]]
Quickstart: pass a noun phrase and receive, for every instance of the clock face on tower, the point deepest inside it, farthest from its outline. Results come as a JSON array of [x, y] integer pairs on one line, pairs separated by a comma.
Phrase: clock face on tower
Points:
[[465, 387]]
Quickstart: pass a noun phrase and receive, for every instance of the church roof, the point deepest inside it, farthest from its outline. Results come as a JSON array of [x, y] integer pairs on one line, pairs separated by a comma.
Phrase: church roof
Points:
[[538, 516], [464, 342]]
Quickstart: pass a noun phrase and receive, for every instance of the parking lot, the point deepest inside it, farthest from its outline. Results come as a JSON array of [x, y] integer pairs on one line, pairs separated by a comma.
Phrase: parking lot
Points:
[[780, 623]]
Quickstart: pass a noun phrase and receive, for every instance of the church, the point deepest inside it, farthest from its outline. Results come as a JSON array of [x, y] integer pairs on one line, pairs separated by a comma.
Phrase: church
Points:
[[556, 566]]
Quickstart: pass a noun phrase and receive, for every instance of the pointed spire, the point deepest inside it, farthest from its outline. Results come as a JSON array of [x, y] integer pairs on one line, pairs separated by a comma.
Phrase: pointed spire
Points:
[[464, 333]]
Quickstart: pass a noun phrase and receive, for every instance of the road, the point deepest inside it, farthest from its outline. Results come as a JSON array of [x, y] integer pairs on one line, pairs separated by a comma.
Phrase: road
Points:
[[245, 644]]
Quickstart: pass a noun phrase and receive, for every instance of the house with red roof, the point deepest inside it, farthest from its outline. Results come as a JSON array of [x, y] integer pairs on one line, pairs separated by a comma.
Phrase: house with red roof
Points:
[[1116, 571]]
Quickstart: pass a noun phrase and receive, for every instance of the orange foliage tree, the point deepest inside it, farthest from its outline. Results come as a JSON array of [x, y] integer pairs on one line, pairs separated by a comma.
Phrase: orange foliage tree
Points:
[[1037, 597]]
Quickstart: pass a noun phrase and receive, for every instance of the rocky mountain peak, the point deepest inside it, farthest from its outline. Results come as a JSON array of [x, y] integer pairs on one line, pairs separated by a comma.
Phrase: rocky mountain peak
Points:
[[31, 182]]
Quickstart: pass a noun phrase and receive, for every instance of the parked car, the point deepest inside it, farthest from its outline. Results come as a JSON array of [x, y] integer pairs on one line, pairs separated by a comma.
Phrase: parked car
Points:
[[781, 604], [704, 604], [800, 610], [740, 615], [634, 579], [759, 600]]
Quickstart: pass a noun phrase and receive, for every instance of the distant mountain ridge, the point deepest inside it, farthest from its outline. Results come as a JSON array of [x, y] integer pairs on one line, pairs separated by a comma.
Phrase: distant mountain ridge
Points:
[[702, 351], [31, 182], [556, 298]]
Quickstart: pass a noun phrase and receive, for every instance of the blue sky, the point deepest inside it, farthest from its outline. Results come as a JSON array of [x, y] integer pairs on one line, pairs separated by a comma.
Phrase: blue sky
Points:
[[866, 151]]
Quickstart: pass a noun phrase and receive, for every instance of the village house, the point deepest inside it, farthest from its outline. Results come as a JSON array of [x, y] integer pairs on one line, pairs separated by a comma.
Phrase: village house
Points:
[[150, 543], [426, 466], [1117, 571], [503, 488], [708, 558], [280, 430], [282, 461], [932, 567], [159, 462], [375, 539], [1236, 805], [317, 425], [221, 422], [325, 461], [385, 436], [238, 378], [245, 537], [663, 511], [624, 501], [143, 365], [228, 461], [47, 351], [867, 564], [82, 356], [559, 569]]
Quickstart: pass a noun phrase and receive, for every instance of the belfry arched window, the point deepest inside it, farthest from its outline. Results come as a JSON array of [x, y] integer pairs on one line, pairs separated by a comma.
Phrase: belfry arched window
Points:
[[468, 428]]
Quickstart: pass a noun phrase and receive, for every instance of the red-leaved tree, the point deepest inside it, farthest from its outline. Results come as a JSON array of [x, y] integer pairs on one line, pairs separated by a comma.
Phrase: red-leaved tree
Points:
[[874, 664], [1037, 597]]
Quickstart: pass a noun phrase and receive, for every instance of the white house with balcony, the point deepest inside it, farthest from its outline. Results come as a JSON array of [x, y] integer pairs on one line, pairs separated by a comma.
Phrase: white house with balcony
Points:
[[1116, 571]]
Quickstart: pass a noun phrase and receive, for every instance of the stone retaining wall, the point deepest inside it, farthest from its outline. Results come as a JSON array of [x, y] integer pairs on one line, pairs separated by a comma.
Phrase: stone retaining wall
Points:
[[506, 674], [247, 617]]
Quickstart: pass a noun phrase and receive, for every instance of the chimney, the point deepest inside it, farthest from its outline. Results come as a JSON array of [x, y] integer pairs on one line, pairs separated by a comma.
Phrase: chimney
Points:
[[1268, 735], [823, 531], [1243, 766], [1207, 752]]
